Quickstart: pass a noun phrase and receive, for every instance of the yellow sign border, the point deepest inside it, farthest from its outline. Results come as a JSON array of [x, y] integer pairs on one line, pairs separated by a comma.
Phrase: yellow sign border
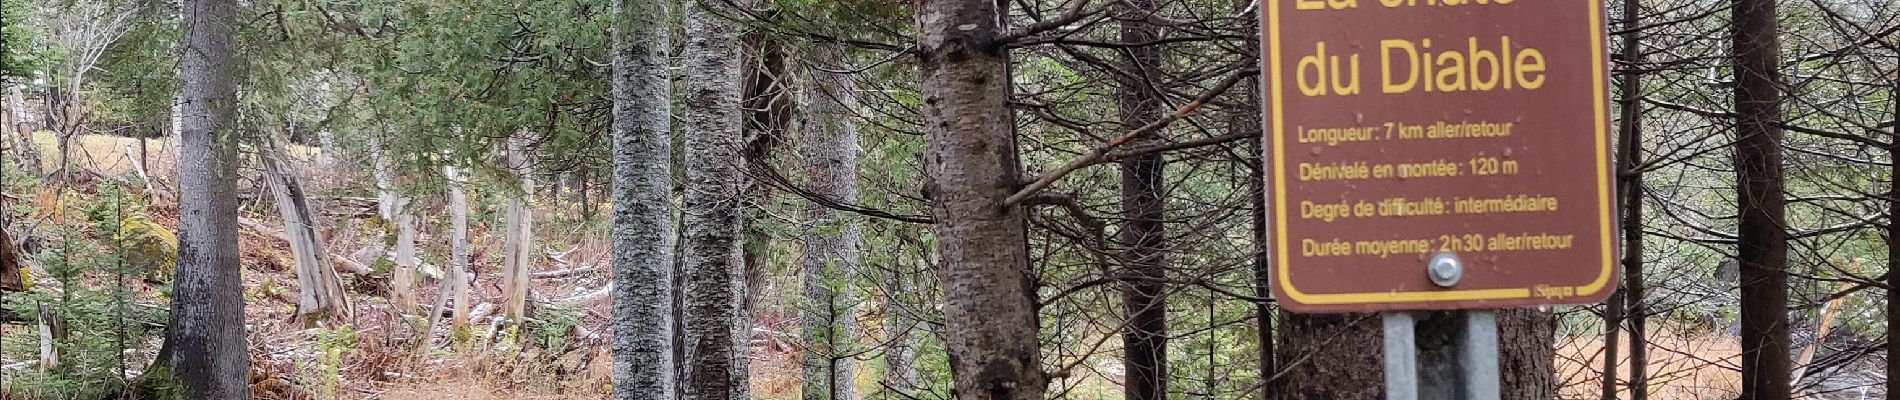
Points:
[[1284, 284]]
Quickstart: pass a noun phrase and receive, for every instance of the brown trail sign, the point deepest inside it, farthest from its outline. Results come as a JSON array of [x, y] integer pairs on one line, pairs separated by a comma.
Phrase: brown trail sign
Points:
[[1469, 133]]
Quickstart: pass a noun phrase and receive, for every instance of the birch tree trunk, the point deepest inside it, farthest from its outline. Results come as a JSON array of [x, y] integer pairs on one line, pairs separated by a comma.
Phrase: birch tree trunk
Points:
[[642, 227], [206, 329], [518, 226], [972, 167], [717, 327], [178, 128], [829, 260], [16, 110], [320, 294], [458, 247]]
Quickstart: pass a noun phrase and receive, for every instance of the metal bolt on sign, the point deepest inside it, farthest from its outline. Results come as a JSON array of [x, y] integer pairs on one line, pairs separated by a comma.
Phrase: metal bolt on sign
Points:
[[1445, 269]]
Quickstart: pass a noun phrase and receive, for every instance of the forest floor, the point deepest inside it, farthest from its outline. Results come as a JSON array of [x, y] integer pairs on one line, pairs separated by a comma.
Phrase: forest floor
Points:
[[562, 353], [1702, 366], [379, 353]]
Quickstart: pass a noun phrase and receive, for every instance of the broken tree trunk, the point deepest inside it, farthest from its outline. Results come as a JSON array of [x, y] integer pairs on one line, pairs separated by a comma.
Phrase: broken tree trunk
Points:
[[28, 153], [393, 208], [404, 276], [518, 226], [52, 328], [320, 293], [458, 247]]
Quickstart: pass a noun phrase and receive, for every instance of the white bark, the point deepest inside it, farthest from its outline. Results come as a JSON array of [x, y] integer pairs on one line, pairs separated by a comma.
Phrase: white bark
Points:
[[178, 127], [642, 151], [829, 260], [403, 278], [458, 247], [518, 228], [138, 167], [28, 153], [52, 331], [327, 140], [320, 292], [393, 207], [16, 108], [387, 199]]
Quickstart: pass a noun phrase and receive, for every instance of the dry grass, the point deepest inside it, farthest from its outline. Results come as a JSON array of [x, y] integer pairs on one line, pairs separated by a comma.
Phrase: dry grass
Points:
[[116, 154], [466, 378], [1682, 366]]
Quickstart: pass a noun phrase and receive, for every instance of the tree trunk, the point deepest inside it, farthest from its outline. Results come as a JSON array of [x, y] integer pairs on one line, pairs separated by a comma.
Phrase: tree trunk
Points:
[[518, 228], [12, 261], [393, 207], [62, 106], [63, 153], [331, 151], [1893, 247], [770, 106], [1143, 234], [52, 330], [28, 152], [900, 354], [587, 195], [642, 192], [178, 126], [404, 275], [1763, 245], [829, 259], [1527, 349], [1248, 117], [1270, 388], [717, 329], [1631, 179], [970, 159], [458, 247], [1331, 356], [320, 294], [206, 329], [1613, 308], [1339, 356]]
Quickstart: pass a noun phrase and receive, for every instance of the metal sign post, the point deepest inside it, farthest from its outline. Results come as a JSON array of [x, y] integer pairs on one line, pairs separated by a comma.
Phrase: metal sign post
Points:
[[1446, 355]]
